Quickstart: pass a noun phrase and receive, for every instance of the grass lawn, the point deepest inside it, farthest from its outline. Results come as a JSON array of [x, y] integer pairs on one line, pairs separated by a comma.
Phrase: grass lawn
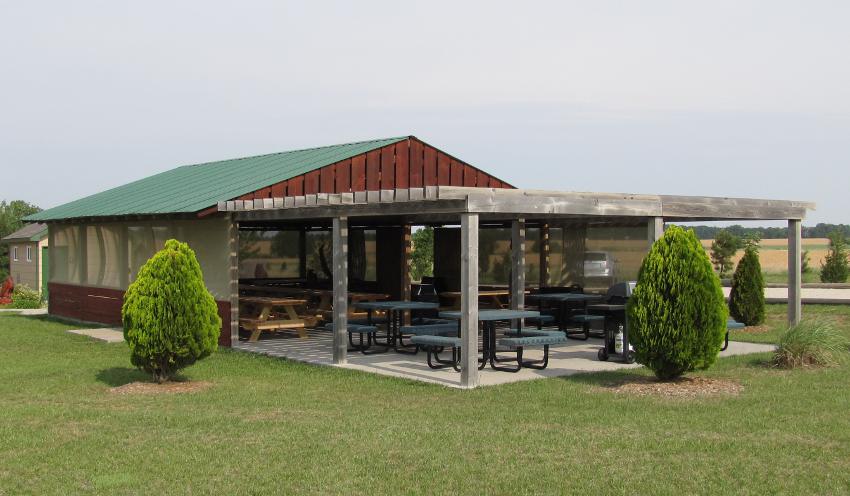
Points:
[[812, 275], [270, 426]]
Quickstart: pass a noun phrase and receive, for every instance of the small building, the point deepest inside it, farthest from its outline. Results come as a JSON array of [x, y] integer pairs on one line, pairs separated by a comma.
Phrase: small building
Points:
[[28, 256], [332, 224]]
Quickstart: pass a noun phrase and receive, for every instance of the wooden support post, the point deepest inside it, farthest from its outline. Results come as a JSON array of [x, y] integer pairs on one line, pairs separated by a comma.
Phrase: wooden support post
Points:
[[233, 271], [406, 259], [518, 265], [123, 257], [655, 229], [469, 300], [51, 260], [340, 287], [302, 253], [795, 308], [544, 255], [83, 254]]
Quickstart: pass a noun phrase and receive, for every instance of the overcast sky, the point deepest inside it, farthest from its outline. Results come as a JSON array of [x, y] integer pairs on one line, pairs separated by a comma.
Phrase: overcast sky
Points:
[[722, 98]]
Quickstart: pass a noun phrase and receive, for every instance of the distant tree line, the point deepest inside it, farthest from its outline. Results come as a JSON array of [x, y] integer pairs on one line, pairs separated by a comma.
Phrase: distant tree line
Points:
[[819, 231]]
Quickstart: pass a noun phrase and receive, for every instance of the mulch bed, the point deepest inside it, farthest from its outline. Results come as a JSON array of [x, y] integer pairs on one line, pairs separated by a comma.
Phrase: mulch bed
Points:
[[164, 388], [760, 329], [685, 387]]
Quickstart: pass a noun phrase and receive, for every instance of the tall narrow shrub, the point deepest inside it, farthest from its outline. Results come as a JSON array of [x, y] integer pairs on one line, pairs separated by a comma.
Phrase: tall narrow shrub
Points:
[[170, 319], [677, 313], [835, 267], [746, 301]]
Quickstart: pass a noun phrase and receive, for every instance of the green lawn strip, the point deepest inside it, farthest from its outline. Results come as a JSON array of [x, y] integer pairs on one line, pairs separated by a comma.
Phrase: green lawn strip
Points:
[[812, 276], [269, 425]]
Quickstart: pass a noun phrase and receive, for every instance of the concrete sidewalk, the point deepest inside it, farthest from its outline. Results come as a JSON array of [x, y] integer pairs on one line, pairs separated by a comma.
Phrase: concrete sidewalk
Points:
[[833, 296]]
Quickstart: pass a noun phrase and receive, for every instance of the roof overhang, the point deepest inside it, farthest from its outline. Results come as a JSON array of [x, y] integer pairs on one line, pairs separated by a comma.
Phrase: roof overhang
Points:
[[425, 203]]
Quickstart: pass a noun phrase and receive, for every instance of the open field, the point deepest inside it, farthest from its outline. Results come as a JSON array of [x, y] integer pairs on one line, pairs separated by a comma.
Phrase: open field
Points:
[[774, 254], [270, 426]]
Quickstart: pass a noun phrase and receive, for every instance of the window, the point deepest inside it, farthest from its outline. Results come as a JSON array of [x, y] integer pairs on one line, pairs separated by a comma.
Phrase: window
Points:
[[15, 253], [29, 253]]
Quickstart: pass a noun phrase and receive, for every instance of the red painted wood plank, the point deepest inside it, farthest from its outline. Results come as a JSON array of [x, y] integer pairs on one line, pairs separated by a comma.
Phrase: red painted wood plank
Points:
[[417, 160], [373, 170], [388, 167], [429, 171], [402, 164], [279, 190], [482, 180], [469, 176], [343, 176], [495, 183], [358, 173], [326, 179], [311, 182], [456, 173], [443, 170], [295, 186]]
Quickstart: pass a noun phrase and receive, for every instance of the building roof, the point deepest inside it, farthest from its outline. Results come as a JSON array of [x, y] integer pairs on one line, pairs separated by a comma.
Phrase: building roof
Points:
[[192, 188], [30, 232]]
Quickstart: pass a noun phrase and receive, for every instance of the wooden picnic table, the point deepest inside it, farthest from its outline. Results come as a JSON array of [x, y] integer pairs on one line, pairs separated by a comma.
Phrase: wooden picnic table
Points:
[[263, 320], [492, 295], [322, 297]]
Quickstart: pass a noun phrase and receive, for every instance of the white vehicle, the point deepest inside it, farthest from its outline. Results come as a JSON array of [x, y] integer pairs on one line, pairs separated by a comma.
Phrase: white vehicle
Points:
[[598, 264]]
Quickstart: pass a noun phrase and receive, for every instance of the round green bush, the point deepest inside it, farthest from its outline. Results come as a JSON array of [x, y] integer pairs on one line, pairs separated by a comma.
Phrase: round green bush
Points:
[[677, 313], [746, 301], [170, 319]]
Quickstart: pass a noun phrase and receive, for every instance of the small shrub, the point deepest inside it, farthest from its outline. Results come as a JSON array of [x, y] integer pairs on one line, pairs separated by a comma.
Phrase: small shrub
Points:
[[677, 313], [746, 301], [24, 297], [835, 267], [810, 343], [170, 319], [723, 250]]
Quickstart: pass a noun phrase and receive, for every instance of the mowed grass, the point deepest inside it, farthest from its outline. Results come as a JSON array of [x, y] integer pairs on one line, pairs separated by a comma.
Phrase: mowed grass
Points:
[[271, 426]]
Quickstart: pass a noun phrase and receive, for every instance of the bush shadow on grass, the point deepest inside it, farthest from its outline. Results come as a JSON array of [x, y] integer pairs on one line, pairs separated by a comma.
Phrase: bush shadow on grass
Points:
[[119, 376], [607, 379]]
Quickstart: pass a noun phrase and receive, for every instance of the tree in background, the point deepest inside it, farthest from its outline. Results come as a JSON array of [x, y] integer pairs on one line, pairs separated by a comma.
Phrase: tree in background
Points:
[[835, 265], [422, 259], [805, 268], [170, 318], [10, 221], [677, 313], [746, 301], [723, 250]]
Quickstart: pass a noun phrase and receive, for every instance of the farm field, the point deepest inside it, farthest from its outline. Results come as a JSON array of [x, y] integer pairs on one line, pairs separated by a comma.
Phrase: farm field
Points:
[[774, 256]]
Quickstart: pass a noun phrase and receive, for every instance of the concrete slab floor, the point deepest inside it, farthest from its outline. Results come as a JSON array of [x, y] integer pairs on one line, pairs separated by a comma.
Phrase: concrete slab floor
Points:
[[572, 358]]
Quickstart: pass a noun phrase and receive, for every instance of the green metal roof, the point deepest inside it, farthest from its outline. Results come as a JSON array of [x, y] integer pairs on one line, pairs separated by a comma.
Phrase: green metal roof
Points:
[[192, 188]]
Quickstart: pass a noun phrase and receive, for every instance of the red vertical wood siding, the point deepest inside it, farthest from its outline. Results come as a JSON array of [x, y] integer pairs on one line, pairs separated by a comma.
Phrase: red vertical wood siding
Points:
[[402, 164], [469, 176], [456, 172], [295, 186], [311, 182], [407, 164], [443, 169], [343, 176], [373, 170], [326, 180], [358, 173], [416, 164], [388, 167], [429, 172]]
